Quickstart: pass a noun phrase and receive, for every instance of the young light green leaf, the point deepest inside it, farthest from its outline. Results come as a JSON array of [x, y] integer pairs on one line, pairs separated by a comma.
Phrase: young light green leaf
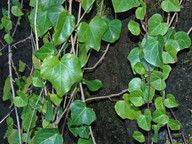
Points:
[[28, 82], [124, 5], [49, 116], [112, 34], [80, 114], [21, 66], [84, 131], [159, 103], [48, 135], [83, 50], [126, 111], [93, 85], [6, 22], [157, 80], [156, 26], [138, 136], [134, 27], [53, 14], [126, 97], [55, 99], [62, 74], [92, 33], [160, 116], [46, 50], [35, 62], [8, 38], [46, 4], [64, 27], [26, 117], [166, 71], [85, 5], [153, 51], [170, 5], [46, 124], [174, 124], [139, 68], [21, 100], [136, 97], [171, 55], [140, 11], [156, 130], [37, 82], [6, 89], [85, 141], [170, 101], [16, 11], [144, 121], [134, 84]]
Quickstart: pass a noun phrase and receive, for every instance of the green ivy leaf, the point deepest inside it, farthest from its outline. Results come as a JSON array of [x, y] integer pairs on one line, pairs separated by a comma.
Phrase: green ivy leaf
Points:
[[26, 117], [153, 51], [139, 68], [84, 132], [81, 114], [126, 97], [138, 136], [170, 56], [37, 82], [136, 97], [85, 5], [159, 103], [46, 4], [21, 100], [174, 124], [83, 50], [170, 101], [73, 129], [166, 71], [156, 130], [146, 91], [134, 84], [46, 50], [43, 22], [144, 121], [4, 12], [35, 62], [6, 89], [64, 27], [140, 11], [85, 141], [170, 5], [53, 14], [157, 80], [6, 22], [92, 33], [28, 82], [112, 34], [126, 111], [134, 27], [181, 41], [156, 26], [93, 85], [55, 99], [48, 136], [8, 38], [124, 5], [16, 11], [160, 116], [21, 66], [33, 100], [62, 74], [49, 116]]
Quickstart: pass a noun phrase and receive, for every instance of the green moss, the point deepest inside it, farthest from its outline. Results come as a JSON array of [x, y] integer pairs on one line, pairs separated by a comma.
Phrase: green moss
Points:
[[105, 9]]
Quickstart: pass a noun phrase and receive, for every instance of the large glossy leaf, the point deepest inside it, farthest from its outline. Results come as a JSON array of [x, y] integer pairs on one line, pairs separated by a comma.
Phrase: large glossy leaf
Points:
[[170, 101], [114, 29], [140, 11], [64, 27], [134, 27], [124, 5], [144, 121], [85, 5], [43, 22], [46, 4], [80, 114], [153, 51], [157, 80], [6, 22], [180, 41], [46, 50], [138, 136], [134, 84], [126, 111], [92, 33], [53, 14], [174, 124], [48, 136], [156, 26], [170, 5], [156, 130], [62, 74], [93, 85], [26, 117], [136, 97], [160, 116]]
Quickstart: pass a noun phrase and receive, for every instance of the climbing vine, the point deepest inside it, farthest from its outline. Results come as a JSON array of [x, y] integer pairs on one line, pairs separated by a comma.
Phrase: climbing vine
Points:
[[54, 90]]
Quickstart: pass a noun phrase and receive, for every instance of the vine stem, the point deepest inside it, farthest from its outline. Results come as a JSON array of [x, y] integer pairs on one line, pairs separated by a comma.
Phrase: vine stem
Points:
[[35, 25], [7, 115]]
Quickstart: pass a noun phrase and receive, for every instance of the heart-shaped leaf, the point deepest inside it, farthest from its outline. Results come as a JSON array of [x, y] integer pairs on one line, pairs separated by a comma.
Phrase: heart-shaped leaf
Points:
[[83, 50], [55, 99], [85, 5], [46, 50], [171, 55], [16, 11], [134, 84], [136, 97], [138, 136], [92, 33], [62, 74], [134, 27], [80, 114], [37, 82], [8, 38], [85, 141], [170, 101], [157, 80], [6, 22], [160, 116], [93, 85], [166, 71], [170, 5], [144, 121], [156, 130], [156, 26], [64, 27], [139, 68], [159, 103], [174, 124], [124, 5], [126, 111], [114, 29], [133, 57], [140, 11], [153, 51], [49, 116], [21, 100], [84, 132], [46, 4]]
